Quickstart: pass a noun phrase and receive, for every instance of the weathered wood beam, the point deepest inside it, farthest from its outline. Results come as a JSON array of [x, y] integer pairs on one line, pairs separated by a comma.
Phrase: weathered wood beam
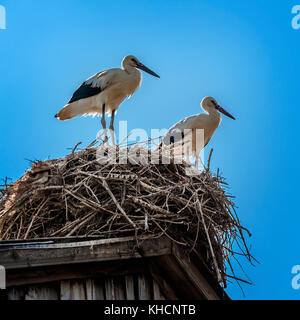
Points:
[[193, 274], [19, 277], [82, 252]]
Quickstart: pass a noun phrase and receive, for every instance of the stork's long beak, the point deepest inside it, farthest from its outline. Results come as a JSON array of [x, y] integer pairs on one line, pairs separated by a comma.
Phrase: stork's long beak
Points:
[[225, 112], [142, 67]]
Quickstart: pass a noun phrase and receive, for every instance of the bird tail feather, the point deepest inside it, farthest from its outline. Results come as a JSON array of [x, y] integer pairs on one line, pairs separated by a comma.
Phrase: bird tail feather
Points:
[[72, 110]]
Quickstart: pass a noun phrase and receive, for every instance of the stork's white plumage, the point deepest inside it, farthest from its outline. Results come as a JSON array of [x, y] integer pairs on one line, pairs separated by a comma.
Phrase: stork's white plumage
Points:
[[105, 91], [208, 122]]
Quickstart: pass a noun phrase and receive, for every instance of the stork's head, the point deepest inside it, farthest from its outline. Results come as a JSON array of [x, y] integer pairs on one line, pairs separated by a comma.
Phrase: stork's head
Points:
[[209, 104], [131, 61]]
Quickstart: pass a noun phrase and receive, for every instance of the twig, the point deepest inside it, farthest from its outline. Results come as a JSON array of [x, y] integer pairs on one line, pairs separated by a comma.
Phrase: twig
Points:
[[74, 149], [209, 242], [209, 159]]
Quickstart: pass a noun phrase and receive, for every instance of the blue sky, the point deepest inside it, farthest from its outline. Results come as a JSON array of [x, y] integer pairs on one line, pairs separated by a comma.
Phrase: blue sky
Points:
[[243, 53]]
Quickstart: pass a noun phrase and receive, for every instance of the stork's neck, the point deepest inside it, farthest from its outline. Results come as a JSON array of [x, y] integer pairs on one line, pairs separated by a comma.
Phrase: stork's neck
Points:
[[213, 114], [133, 78], [130, 69]]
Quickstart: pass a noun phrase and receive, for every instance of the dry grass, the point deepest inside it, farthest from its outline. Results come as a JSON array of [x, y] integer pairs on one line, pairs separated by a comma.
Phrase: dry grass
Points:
[[78, 196]]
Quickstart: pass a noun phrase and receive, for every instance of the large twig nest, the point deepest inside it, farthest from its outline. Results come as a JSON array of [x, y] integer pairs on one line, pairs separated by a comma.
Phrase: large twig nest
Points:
[[79, 196]]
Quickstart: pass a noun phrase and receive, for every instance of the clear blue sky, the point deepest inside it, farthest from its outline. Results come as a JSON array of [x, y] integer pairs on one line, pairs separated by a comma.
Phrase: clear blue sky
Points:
[[243, 53]]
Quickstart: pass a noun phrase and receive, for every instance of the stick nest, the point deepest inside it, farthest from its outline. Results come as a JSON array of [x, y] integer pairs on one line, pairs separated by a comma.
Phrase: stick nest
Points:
[[78, 196]]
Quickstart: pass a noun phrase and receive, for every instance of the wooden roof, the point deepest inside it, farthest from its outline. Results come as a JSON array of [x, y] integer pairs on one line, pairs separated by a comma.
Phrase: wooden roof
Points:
[[180, 275]]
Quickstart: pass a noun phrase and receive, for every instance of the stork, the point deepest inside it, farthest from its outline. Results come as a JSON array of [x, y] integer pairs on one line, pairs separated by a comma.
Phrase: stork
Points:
[[105, 91], [208, 121]]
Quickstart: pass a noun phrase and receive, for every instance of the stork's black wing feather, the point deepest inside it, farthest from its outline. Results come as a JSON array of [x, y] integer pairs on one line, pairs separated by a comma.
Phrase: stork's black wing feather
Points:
[[172, 138], [85, 91]]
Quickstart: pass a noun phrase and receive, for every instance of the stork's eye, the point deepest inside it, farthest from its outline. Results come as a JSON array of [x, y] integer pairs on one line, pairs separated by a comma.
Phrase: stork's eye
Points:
[[214, 103], [133, 60]]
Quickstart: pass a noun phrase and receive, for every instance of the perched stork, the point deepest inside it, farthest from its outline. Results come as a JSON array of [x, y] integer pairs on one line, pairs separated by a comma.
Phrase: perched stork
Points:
[[209, 122], [105, 91]]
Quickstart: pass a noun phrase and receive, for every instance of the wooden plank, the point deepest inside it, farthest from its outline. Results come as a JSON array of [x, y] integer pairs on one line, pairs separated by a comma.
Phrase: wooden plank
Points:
[[159, 277], [169, 273], [42, 293], [89, 287], [31, 294], [109, 289], [50, 293], [194, 275], [157, 294], [16, 293], [198, 261], [62, 242], [98, 289], [129, 283], [144, 288], [65, 292], [119, 286], [77, 290], [34, 275], [85, 251]]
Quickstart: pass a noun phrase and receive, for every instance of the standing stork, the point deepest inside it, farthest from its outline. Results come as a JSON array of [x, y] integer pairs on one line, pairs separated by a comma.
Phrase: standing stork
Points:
[[208, 122], [105, 91]]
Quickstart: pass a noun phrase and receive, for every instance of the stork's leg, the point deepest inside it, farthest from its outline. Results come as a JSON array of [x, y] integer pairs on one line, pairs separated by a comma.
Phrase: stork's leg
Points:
[[187, 154], [197, 161], [103, 122], [112, 128]]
